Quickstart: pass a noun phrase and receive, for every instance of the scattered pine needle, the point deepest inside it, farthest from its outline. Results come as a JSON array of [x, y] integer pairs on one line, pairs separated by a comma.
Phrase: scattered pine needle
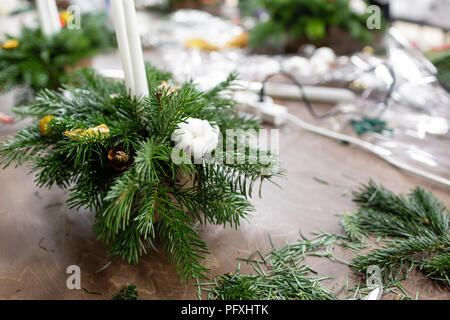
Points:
[[44, 247], [92, 292], [321, 181], [104, 267]]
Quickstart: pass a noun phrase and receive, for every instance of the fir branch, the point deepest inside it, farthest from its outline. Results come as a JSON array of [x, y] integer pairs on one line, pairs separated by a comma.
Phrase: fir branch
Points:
[[128, 244], [120, 199], [163, 113], [419, 224], [41, 61], [212, 204], [128, 201], [436, 216], [53, 169], [149, 157], [278, 275], [401, 253], [384, 224], [238, 172], [221, 87], [220, 109], [438, 268], [379, 198], [27, 143], [182, 242], [155, 76], [147, 213], [128, 292], [89, 190], [352, 227], [406, 215]]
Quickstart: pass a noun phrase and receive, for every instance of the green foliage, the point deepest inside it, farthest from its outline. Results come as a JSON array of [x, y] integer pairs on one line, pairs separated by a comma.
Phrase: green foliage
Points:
[[279, 275], [155, 196], [441, 59], [128, 292], [418, 223], [41, 62], [291, 20]]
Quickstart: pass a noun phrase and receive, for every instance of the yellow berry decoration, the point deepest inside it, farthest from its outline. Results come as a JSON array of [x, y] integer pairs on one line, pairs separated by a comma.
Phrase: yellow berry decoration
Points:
[[66, 15], [10, 44], [101, 130], [368, 50], [44, 127]]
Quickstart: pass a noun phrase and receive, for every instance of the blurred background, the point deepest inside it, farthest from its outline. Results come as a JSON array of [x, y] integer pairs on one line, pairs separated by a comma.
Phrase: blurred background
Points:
[[379, 70]]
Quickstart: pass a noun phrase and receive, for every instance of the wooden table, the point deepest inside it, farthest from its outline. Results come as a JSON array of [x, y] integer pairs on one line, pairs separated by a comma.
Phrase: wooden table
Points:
[[40, 237]]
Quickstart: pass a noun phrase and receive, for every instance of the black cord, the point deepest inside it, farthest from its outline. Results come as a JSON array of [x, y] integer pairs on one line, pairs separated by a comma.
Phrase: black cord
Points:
[[332, 113], [302, 91]]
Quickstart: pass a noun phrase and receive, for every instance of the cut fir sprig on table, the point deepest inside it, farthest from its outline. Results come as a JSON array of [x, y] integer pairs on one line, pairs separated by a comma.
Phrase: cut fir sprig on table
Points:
[[281, 274], [115, 155], [418, 228]]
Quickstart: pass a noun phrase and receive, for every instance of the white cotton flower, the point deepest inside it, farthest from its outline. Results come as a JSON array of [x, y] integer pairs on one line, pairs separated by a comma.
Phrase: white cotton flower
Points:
[[196, 137], [358, 6]]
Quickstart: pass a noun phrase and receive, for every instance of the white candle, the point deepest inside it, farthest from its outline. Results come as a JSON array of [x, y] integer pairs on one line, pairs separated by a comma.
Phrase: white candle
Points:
[[137, 58], [122, 42], [54, 16], [44, 17]]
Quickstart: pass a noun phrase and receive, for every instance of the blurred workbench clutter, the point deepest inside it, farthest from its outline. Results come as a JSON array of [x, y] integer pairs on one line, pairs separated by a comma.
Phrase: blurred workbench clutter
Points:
[[225, 149]]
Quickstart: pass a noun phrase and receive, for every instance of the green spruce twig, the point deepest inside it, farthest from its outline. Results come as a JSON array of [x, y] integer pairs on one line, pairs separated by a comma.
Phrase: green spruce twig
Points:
[[418, 225]]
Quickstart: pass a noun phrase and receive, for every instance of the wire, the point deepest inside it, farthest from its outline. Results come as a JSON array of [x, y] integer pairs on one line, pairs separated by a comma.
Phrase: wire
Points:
[[391, 88], [383, 153], [335, 112], [303, 95]]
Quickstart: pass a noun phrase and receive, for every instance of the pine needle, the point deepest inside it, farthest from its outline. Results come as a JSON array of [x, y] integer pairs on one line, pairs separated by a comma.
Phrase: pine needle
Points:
[[418, 226]]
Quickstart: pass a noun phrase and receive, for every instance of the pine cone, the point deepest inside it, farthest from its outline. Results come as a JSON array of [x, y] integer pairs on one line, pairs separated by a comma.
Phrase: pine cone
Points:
[[119, 159]]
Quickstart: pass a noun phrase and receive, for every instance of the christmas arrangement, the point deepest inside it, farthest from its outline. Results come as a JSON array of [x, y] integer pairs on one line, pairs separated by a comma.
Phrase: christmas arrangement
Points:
[[282, 25], [148, 167], [37, 59]]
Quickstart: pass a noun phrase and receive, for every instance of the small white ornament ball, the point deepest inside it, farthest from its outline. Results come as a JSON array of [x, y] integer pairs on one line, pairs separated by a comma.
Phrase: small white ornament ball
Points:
[[327, 54], [298, 65], [319, 66], [358, 6]]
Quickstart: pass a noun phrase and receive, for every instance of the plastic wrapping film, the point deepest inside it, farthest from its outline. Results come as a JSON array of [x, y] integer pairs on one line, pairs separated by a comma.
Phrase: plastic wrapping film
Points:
[[397, 88], [417, 110]]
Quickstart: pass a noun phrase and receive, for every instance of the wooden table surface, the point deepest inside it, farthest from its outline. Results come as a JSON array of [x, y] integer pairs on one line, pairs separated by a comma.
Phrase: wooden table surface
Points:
[[40, 237]]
